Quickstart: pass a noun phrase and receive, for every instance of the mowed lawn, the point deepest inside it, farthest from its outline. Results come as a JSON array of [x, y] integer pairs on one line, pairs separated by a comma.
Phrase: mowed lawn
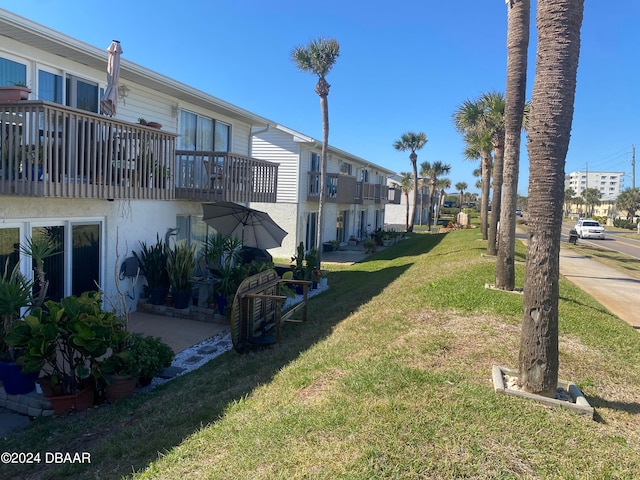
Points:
[[389, 378]]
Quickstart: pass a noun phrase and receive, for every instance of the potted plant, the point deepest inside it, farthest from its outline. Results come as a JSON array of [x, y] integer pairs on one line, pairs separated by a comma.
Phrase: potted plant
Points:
[[15, 295], [150, 355], [117, 374], [14, 93], [370, 245], [181, 267], [65, 340], [39, 249], [312, 268], [153, 265], [228, 282], [298, 268]]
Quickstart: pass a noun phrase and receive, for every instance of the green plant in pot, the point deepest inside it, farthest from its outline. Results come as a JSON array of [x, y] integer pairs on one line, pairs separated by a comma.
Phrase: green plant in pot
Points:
[[150, 355], [223, 257], [15, 295], [40, 248], [153, 265], [65, 340], [312, 267], [181, 266]]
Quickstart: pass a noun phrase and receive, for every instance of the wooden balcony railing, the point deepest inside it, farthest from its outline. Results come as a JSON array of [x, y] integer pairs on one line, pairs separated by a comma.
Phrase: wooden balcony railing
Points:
[[345, 189], [49, 150], [222, 176], [339, 188]]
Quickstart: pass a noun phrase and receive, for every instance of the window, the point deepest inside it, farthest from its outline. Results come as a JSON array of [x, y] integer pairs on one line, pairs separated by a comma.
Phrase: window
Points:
[[315, 162], [49, 86], [346, 168], [365, 175], [312, 228], [341, 222], [9, 247], [222, 136], [203, 133], [12, 72], [82, 94]]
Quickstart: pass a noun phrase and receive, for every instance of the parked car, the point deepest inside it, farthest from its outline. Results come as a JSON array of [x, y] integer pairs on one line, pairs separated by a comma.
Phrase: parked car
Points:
[[588, 228], [518, 212]]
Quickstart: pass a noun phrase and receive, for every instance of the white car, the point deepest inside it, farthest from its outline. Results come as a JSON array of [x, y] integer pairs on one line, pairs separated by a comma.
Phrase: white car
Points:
[[588, 228]]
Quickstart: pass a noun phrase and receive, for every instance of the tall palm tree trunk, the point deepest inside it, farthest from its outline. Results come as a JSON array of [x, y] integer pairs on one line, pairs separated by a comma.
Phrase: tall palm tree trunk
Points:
[[324, 108], [414, 167], [484, 204], [549, 129], [517, 46], [407, 212], [496, 200]]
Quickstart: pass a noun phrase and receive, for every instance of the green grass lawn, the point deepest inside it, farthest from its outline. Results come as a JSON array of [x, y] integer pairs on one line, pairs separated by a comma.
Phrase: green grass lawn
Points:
[[389, 378]]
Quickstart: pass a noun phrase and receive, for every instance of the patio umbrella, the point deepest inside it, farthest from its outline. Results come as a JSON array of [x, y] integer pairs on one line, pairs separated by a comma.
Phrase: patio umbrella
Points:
[[255, 228], [109, 101]]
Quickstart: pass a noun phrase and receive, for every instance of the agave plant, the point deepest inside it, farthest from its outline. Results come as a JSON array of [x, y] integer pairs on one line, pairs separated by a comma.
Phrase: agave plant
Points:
[[15, 294]]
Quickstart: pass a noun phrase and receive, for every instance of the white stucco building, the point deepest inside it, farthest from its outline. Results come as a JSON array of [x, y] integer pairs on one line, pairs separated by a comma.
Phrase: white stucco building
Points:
[[610, 184]]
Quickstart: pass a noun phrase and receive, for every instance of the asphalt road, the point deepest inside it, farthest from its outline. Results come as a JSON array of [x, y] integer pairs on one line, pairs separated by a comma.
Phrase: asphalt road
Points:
[[612, 241]]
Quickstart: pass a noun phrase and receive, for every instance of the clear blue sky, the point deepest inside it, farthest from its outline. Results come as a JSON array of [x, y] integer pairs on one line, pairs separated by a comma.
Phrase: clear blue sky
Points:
[[404, 65]]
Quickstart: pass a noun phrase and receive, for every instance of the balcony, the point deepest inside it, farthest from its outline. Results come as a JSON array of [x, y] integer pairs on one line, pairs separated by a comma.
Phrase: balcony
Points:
[[222, 176], [345, 189], [49, 150], [340, 188], [371, 193], [394, 196]]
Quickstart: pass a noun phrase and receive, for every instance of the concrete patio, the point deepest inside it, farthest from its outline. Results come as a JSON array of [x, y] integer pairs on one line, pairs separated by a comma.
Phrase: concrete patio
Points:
[[178, 333]]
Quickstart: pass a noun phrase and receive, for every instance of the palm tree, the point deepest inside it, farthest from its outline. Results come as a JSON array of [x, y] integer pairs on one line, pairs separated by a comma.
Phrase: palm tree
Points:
[[578, 201], [518, 17], [629, 200], [591, 199], [442, 184], [413, 142], [558, 23], [461, 187], [469, 120], [406, 185], [493, 118], [479, 147], [318, 58], [569, 193], [432, 172]]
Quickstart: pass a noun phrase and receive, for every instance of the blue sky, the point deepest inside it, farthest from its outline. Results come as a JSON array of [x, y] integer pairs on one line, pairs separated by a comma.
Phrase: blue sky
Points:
[[404, 65]]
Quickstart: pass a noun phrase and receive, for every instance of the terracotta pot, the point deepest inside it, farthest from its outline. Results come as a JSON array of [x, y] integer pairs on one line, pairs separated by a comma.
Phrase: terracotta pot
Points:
[[120, 387], [13, 94], [79, 402]]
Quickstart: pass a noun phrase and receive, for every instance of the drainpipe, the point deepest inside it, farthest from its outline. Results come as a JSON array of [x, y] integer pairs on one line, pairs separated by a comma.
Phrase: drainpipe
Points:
[[265, 129]]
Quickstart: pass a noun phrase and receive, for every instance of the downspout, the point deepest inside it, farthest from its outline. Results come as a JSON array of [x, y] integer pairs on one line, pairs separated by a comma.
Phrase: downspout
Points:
[[253, 133]]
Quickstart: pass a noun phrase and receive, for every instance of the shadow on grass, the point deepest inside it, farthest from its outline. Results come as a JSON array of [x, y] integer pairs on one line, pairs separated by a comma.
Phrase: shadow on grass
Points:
[[629, 407], [130, 434]]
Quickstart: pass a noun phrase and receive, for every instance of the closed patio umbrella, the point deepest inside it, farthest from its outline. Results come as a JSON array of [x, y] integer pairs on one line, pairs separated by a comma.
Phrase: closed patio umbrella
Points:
[[109, 101], [253, 227]]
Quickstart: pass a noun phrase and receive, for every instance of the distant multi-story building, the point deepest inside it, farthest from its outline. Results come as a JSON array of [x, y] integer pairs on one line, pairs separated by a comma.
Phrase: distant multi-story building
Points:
[[610, 184]]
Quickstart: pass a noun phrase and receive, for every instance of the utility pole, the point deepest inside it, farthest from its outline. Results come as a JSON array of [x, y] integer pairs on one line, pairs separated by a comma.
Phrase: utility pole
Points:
[[633, 166]]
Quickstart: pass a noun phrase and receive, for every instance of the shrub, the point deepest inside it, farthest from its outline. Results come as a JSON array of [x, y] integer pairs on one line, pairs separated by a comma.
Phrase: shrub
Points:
[[624, 223]]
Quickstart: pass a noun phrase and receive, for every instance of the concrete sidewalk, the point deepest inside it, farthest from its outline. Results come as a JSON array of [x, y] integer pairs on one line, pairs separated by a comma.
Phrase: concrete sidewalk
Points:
[[617, 292]]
